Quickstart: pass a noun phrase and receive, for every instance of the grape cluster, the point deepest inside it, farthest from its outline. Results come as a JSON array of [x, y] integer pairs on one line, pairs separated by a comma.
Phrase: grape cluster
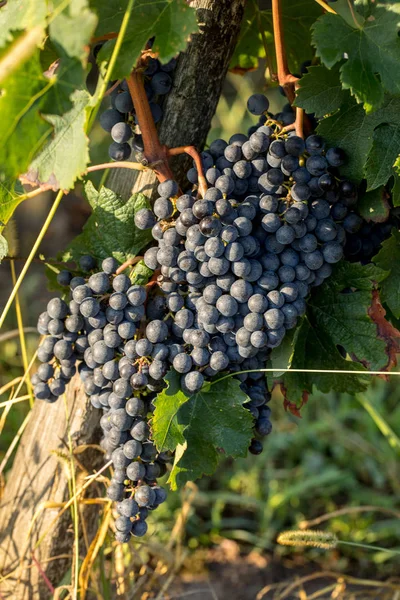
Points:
[[237, 265], [364, 239], [233, 272], [120, 120], [99, 328]]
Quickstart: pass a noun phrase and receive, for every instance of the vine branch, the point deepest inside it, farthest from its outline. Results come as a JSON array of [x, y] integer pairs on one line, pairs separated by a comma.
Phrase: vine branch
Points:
[[154, 152], [128, 263], [118, 165], [285, 78], [288, 81], [191, 151], [104, 38]]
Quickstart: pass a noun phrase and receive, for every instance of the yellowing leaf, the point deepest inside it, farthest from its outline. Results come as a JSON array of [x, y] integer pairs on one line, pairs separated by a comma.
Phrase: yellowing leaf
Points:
[[66, 156]]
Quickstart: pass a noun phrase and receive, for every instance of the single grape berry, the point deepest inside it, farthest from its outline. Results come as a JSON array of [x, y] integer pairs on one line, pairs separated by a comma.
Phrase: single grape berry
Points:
[[257, 104]]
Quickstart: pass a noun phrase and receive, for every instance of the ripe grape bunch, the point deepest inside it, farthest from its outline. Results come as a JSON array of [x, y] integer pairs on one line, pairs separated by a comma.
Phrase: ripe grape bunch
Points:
[[364, 239], [124, 340], [99, 329], [120, 120], [249, 252], [233, 272]]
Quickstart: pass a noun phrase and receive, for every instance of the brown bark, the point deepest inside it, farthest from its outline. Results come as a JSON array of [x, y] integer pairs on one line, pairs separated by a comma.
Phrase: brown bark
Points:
[[37, 474]]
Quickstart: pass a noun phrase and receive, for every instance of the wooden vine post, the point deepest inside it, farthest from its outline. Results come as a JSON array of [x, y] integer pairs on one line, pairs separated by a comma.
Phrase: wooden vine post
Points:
[[36, 548]]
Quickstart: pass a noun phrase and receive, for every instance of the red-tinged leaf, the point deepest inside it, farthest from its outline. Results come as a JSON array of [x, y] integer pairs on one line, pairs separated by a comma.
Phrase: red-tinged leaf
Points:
[[374, 205], [386, 331], [294, 407]]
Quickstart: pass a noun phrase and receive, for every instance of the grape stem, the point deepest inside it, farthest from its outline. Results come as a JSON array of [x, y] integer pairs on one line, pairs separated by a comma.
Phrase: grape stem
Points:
[[36, 192], [298, 125], [112, 88], [154, 152], [191, 151], [288, 81], [118, 165], [103, 38], [153, 280], [128, 263], [285, 78]]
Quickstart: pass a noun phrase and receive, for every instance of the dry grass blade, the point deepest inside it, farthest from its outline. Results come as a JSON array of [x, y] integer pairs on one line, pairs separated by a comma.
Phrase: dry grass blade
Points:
[[17, 391], [93, 551], [22, 340], [45, 505], [14, 401], [184, 513], [322, 592], [119, 562], [286, 593], [9, 385], [15, 441], [83, 447], [89, 481], [9, 335], [59, 590], [326, 6], [31, 256], [42, 573]]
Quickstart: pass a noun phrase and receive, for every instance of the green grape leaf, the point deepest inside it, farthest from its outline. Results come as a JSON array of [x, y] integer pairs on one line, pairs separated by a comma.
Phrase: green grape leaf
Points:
[[140, 274], [343, 316], [320, 91], [314, 349], [110, 15], [337, 315], [297, 18], [372, 48], [281, 357], [52, 283], [19, 15], [385, 149], [352, 129], [73, 28], [110, 230], [66, 155], [397, 165], [374, 205], [396, 185], [388, 258], [10, 197], [167, 431], [22, 129], [216, 425], [67, 75], [250, 48], [354, 275], [172, 22]]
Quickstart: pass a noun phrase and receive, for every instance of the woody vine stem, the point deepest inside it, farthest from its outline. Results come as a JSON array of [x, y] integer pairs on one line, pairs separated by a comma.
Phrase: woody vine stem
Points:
[[154, 152], [288, 81]]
